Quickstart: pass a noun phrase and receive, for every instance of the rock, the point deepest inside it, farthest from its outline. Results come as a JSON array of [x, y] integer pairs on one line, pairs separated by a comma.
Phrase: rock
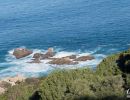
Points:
[[4, 84], [71, 57], [48, 54], [37, 55], [37, 60], [84, 58], [21, 52], [14, 80], [8, 82], [62, 61], [2, 90]]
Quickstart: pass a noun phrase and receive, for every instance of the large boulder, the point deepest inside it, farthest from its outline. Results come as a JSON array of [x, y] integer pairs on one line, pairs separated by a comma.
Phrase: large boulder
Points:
[[84, 58], [21, 52], [62, 61]]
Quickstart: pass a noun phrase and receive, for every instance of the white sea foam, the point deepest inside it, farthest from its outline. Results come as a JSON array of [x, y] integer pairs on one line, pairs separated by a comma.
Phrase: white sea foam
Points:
[[21, 66], [63, 54]]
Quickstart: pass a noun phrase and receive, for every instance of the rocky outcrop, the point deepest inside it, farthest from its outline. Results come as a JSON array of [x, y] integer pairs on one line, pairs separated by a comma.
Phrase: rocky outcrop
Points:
[[48, 54], [63, 61], [84, 58], [11, 81], [37, 55], [3, 86], [71, 57], [21, 52], [2, 90], [14, 80]]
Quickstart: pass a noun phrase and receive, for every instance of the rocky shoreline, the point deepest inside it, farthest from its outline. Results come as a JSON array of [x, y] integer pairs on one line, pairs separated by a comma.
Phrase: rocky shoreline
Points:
[[37, 58], [50, 55], [10, 81]]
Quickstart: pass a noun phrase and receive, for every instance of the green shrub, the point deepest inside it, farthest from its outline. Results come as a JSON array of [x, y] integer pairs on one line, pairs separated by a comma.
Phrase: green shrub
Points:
[[77, 84], [109, 66]]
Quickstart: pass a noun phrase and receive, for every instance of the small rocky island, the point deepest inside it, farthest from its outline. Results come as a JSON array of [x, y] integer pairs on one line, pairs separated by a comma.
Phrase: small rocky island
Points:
[[50, 55]]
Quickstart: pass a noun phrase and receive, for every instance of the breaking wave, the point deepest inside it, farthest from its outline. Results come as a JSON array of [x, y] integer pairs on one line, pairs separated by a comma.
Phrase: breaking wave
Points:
[[14, 66]]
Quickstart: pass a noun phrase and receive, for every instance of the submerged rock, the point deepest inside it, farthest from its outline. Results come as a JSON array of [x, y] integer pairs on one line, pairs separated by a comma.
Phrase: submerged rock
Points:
[[62, 61], [21, 52], [84, 58]]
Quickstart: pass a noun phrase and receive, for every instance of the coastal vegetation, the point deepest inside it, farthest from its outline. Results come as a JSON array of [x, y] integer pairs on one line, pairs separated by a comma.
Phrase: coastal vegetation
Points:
[[109, 81]]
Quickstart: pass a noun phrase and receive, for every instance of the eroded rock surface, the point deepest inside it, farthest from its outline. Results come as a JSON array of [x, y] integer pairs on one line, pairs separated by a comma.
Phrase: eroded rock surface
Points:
[[63, 61], [84, 58], [21, 52]]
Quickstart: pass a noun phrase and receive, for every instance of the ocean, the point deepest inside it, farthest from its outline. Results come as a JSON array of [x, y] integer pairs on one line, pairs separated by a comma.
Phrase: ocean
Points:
[[84, 27]]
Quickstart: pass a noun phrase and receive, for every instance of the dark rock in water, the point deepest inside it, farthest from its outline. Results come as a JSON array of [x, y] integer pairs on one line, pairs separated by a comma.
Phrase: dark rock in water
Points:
[[71, 57], [47, 55], [50, 53], [84, 58], [37, 60], [37, 55], [21, 52], [63, 61]]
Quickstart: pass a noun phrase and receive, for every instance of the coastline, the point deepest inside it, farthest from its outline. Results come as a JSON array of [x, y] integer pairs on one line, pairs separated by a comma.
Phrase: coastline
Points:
[[106, 82], [40, 69]]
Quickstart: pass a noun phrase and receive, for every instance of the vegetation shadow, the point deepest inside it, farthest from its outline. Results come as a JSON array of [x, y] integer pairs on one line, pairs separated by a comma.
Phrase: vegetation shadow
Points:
[[36, 96]]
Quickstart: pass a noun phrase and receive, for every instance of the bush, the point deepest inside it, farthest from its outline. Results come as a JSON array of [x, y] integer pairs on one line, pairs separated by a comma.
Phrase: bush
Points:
[[81, 84], [109, 66]]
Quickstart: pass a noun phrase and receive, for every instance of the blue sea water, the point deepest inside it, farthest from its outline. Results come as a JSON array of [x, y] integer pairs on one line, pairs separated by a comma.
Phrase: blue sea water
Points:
[[97, 27]]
